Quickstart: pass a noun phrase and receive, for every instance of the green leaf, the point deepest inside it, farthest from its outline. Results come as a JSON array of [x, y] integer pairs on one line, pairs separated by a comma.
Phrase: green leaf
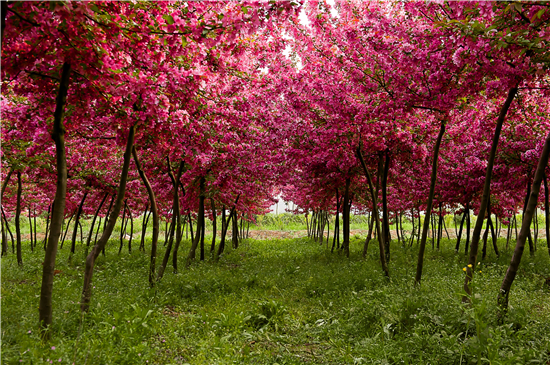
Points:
[[245, 9], [169, 19], [184, 41]]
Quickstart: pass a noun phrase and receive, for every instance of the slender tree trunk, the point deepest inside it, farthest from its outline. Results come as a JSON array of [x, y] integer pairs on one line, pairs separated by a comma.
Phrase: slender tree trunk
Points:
[[105, 220], [529, 238], [4, 238], [214, 232], [10, 172], [100, 245], [369, 235], [30, 227], [96, 233], [472, 259], [413, 231], [179, 232], [46, 233], [9, 230], [345, 217], [18, 220], [336, 222], [546, 211], [191, 226], [457, 247], [154, 211], [467, 245], [58, 135], [175, 218], [385, 213], [374, 212], [77, 220], [143, 228], [221, 247], [123, 227], [67, 227], [525, 226], [493, 236], [235, 231], [131, 228], [433, 179], [200, 222], [485, 235], [439, 226], [93, 222]]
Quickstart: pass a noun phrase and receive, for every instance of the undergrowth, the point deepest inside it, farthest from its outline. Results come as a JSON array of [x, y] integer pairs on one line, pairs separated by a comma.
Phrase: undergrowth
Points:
[[279, 302]]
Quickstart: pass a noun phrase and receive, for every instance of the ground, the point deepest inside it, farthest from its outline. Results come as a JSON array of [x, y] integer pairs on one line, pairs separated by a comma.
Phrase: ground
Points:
[[279, 301]]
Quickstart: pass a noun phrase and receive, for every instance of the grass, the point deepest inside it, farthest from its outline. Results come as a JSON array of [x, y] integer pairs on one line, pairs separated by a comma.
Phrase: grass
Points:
[[279, 302]]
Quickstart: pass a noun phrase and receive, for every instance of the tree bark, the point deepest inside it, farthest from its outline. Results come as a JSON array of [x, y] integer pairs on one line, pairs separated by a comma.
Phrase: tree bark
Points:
[[175, 220], [58, 135], [457, 247], [502, 300], [235, 231], [77, 219], [214, 232], [93, 222], [374, 212], [429, 203], [122, 227], [546, 211], [100, 245], [472, 258], [336, 222], [200, 223], [385, 213], [18, 221], [30, 227], [467, 245], [345, 217], [154, 210]]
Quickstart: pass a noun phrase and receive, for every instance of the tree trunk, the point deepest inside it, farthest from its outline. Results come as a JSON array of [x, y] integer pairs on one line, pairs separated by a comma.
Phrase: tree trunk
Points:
[[154, 210], [30, 228], [93, 222], [433, 179], [336, 222], [200, 222], [175, 219], [235, 231], [9, 230], [17, 220], [345, 218], [143, 228], [546, 211], [179, 232], [131, 228], [374, 212], [214, 232], [529, 238], [100, 245], [467, 245], [525, 226], [472, 259], [385, 213], [58, 135], [493, 235], [77, 220], [122, 227], [67, 228], [439, 226], [221, 247], [369, 235], [457, 247]]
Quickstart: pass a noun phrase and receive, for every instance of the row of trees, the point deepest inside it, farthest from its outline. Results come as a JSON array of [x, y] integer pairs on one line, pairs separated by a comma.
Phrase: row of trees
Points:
[[191, 110]]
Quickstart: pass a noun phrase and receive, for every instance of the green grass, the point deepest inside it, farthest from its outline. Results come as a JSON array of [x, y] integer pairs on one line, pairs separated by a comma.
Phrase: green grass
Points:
[[284, 302]]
